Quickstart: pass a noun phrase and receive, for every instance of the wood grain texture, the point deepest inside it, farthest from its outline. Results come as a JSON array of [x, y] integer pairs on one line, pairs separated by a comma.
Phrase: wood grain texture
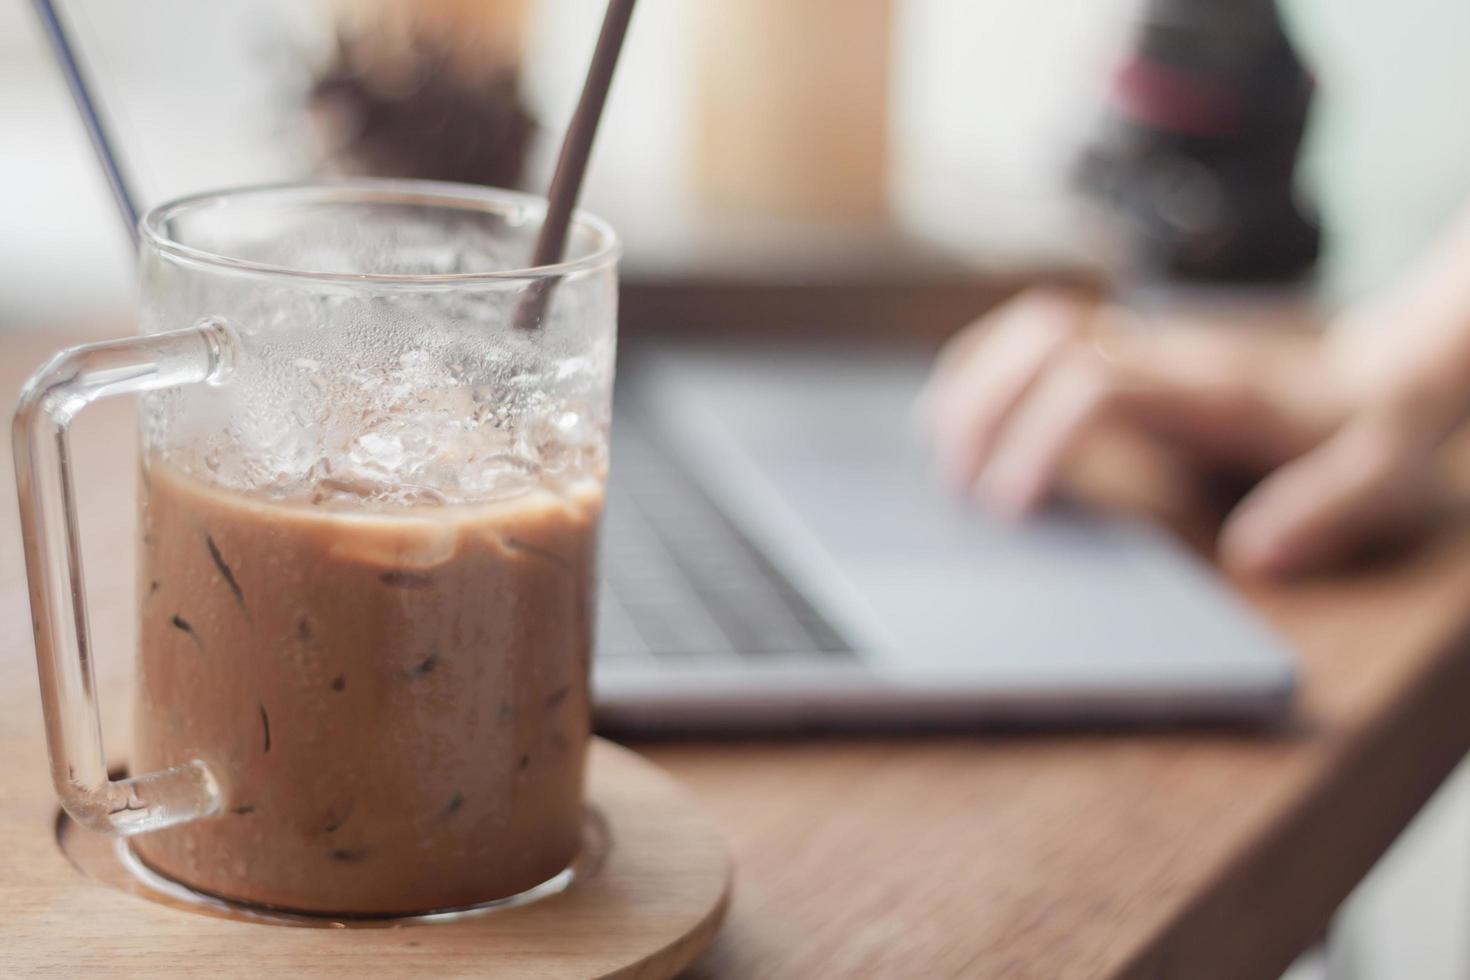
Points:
[[652, 890], [654, 901], [993, 855]]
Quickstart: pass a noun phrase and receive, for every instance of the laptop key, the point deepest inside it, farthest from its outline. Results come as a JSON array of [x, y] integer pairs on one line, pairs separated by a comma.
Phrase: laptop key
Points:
[[684, 578]]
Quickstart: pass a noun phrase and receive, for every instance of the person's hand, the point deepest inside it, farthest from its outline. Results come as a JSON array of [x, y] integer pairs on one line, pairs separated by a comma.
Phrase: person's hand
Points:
[[1345, 451]]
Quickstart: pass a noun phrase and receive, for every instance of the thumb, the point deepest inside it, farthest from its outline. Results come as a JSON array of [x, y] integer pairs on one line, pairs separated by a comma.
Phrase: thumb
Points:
[[1365, 480]]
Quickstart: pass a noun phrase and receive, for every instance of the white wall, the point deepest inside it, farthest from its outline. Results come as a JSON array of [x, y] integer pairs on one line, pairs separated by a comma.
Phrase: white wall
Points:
[[990, 100], [1390, 151], [181, 84]]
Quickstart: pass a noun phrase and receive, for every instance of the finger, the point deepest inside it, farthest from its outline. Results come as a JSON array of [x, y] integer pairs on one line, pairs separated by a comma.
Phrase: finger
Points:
[[1228, 397], [1084, 385], [971, 411], [1037, 437], [1042, 311], [1327, 504], [969, 406], [957, 349], [1041, 302]]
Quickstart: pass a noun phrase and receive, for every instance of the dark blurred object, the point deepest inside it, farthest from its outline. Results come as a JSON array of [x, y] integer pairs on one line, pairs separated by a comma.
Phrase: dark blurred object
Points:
[[427, 89], [1197, 157]]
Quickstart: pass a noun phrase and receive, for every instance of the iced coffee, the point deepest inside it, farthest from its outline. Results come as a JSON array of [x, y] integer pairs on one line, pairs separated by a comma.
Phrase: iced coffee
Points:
[[398, 693], [371, 483]]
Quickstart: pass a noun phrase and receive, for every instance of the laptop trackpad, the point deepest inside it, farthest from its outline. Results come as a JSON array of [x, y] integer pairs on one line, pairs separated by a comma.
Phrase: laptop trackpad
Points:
[[953, 586]]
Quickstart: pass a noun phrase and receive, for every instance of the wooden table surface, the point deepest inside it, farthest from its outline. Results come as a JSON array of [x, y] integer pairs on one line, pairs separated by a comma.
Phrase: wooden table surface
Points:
[[1167, 854]]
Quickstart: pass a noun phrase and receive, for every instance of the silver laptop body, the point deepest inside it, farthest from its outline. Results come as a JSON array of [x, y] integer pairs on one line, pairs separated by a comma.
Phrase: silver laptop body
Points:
[[776, 555]]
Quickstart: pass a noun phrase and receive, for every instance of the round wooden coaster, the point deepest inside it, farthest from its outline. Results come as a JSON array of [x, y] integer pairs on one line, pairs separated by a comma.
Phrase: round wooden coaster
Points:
[[646, 897]]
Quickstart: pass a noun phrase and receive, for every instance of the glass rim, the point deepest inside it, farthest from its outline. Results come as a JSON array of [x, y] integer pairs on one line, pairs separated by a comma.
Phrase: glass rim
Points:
[[517, 207]]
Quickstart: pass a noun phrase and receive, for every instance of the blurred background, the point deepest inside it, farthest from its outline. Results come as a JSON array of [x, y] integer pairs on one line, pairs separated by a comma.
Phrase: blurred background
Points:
[[944, 177], [955, 128]]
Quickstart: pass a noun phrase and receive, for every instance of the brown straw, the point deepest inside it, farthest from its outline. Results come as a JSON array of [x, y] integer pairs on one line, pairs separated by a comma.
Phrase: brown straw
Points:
[[571, 166]]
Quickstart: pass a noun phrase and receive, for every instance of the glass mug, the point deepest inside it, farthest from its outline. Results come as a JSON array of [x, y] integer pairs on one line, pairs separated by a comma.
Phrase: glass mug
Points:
[[371, 488]]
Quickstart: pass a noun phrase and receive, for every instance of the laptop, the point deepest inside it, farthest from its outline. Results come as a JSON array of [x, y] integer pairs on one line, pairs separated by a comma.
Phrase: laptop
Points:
[[776, 555]]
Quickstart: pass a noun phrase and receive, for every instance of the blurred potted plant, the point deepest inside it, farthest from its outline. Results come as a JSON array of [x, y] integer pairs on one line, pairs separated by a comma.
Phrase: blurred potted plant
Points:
[[425, 88]]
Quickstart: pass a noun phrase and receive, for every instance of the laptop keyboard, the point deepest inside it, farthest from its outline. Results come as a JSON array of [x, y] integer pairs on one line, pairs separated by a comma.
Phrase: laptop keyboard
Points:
[[679, 580]]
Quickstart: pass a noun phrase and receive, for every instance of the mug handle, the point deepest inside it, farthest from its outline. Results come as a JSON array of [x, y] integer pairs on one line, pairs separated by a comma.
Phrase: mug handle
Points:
[[53, 396]]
